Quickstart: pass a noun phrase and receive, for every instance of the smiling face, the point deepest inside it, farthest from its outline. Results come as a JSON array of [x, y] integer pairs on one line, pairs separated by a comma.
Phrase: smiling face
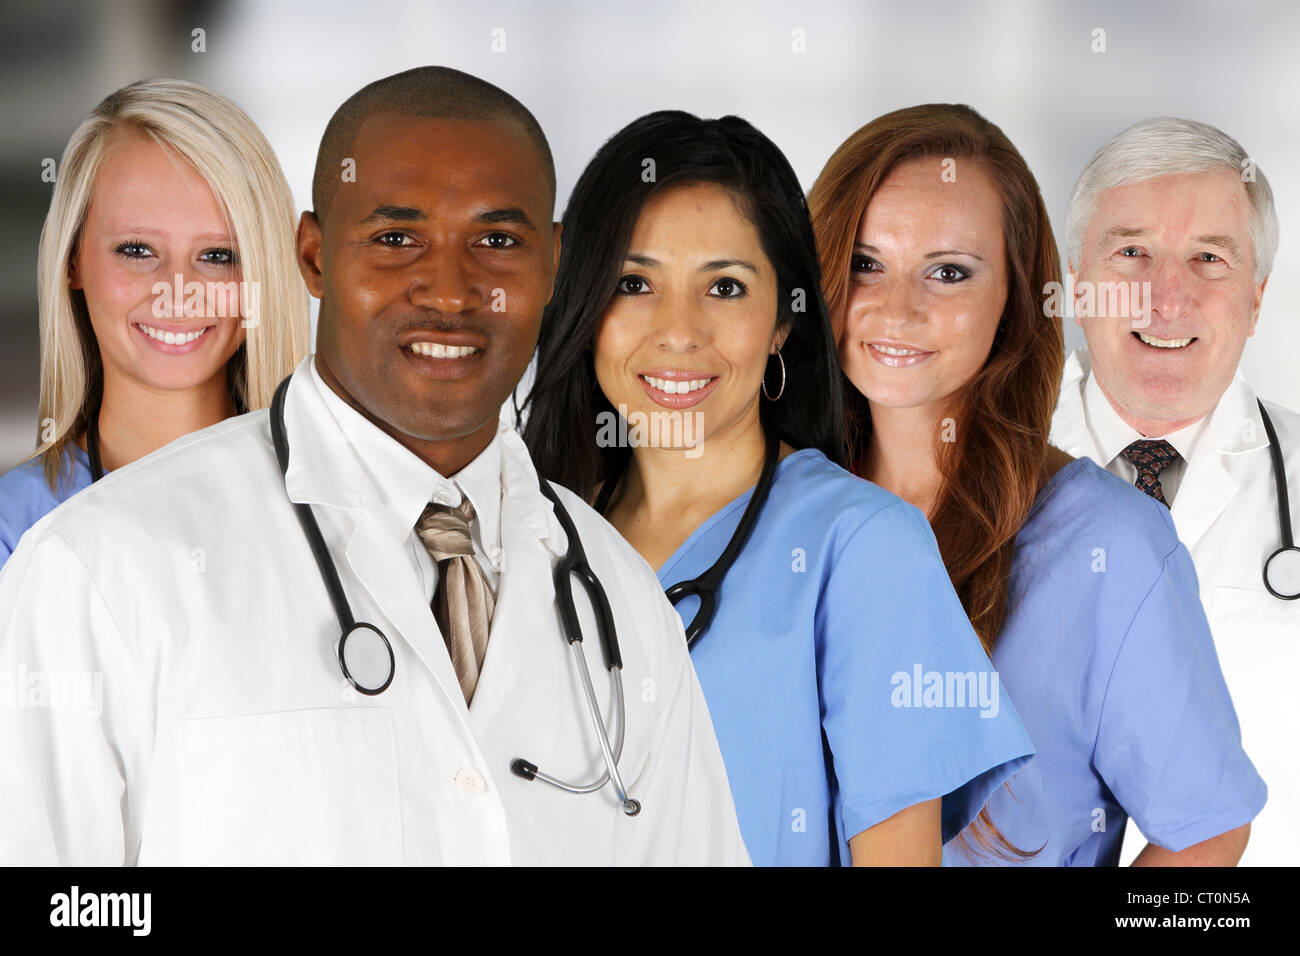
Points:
[[928, 285], [433, 269], [1187, 235], [693, 319], [151, 217]]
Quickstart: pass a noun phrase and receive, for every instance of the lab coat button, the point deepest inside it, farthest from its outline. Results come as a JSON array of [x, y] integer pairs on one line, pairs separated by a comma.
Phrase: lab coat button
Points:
[[470, 780]]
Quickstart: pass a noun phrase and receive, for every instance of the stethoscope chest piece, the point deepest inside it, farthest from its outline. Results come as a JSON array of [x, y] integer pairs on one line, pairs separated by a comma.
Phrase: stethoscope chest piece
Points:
[[1282, 573], [367, 658]]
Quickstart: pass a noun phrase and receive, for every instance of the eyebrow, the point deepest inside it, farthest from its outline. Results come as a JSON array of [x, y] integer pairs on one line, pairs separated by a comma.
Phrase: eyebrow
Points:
[[1120, 232], [146, 232], [711, 266], [390, 213], [509, 215], [937, 254], [1223, 242]]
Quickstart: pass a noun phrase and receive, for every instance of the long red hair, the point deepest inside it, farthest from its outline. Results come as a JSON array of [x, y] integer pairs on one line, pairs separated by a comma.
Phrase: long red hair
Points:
[[993, 471]]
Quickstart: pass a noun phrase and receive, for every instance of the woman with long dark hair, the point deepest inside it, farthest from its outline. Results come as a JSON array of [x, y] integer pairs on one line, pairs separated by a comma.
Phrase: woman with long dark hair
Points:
[[687, 383], [940, 271]]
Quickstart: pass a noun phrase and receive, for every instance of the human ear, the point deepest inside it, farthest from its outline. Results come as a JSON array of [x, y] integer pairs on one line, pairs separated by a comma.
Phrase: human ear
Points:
[[310, 243]]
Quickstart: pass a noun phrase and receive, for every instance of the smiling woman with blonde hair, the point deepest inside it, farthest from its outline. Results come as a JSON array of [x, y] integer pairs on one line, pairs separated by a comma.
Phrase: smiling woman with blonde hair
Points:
[[169, 295]]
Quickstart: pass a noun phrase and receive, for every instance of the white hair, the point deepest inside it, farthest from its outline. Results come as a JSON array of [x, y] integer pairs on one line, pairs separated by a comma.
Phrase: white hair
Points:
[[1162, 147]]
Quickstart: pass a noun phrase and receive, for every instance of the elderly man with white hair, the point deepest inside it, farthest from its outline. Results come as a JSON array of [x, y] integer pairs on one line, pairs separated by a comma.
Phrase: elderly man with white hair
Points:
[[1171, 233]]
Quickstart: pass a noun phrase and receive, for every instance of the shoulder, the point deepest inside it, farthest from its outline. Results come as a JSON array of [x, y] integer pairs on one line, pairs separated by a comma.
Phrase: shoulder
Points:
[[25, 498], [606, 549], [1087, 513], [1286, 422], [810, 488], [142, 497], [847, 528], [629, 583], [23, 482]]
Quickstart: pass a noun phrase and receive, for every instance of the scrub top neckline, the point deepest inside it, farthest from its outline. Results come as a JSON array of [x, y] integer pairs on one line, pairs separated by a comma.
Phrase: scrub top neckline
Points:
[[737, 502]]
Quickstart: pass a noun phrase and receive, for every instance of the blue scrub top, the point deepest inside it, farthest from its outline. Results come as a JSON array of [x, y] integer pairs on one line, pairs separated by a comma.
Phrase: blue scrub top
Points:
[[1108, 656], [832, 620], [25, 498]]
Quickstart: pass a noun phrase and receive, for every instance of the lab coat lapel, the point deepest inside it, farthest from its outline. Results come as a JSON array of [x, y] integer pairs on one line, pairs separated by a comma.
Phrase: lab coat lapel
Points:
[[1209, 486], [385, 571], [531, 540], [1203, 493], [324, 471]]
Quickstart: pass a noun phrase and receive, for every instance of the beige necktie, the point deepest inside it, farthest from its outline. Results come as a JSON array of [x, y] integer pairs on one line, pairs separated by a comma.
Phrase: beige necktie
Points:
[[463, 602]]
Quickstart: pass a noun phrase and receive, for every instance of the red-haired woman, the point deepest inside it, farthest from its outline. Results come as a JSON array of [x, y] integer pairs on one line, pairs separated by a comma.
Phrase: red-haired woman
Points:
[[937, 259]]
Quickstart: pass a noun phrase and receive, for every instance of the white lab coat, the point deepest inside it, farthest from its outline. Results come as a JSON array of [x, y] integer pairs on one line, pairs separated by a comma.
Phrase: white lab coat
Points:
[[1225, 510], [227, 733]]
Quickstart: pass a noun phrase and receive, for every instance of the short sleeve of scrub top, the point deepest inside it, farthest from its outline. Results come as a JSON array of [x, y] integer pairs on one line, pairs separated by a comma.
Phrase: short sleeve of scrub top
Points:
[[25, 498], [1108, 656], [837, 634]]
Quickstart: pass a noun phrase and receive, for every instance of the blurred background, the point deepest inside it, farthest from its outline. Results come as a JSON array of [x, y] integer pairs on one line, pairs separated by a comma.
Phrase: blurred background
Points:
[[587, 68]]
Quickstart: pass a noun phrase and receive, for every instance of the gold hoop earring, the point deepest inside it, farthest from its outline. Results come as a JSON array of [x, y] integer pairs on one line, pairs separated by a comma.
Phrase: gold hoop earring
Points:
[[781, 390]]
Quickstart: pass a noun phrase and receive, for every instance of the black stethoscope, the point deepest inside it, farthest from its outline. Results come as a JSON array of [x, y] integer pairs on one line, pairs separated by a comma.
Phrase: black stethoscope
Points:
[[1282, 569], [369, 665], [705, 587]]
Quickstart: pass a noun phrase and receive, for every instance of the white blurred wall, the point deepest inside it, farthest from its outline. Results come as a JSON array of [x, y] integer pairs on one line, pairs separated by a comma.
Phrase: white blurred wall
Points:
[[585, 69]]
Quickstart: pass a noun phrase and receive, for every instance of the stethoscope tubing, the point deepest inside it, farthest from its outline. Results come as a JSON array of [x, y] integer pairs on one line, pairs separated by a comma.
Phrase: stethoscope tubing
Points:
[[320, 552], [1283, 508], [705, 586], [1279, 479]]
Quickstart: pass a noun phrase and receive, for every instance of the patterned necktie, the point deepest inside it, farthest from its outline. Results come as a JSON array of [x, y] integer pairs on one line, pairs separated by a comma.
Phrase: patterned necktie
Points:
[[463, 601], [1150, 456]]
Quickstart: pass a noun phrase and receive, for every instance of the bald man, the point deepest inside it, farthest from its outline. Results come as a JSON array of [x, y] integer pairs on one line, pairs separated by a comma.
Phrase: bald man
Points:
[[462, 721]]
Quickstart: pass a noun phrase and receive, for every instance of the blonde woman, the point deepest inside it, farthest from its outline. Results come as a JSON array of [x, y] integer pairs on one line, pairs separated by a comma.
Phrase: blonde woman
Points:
[[169, 297]]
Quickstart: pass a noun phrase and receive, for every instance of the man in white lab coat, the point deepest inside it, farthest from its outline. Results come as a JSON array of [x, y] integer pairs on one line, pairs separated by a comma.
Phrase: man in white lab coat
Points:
[[204, 717], [1171, 231]]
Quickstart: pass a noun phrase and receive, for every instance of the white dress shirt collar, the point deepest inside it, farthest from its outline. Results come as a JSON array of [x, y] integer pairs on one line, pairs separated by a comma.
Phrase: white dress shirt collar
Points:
[[1112, 434], [405, 483]]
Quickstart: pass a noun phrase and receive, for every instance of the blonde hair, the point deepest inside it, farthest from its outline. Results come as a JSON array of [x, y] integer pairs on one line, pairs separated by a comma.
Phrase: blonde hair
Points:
[[227, 149]]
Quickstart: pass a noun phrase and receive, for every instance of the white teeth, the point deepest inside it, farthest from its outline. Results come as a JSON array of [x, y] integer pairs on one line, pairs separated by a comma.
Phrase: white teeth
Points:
[[170, 338], [677, 386], [893, 351], [1163, 343], [438, 350]]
